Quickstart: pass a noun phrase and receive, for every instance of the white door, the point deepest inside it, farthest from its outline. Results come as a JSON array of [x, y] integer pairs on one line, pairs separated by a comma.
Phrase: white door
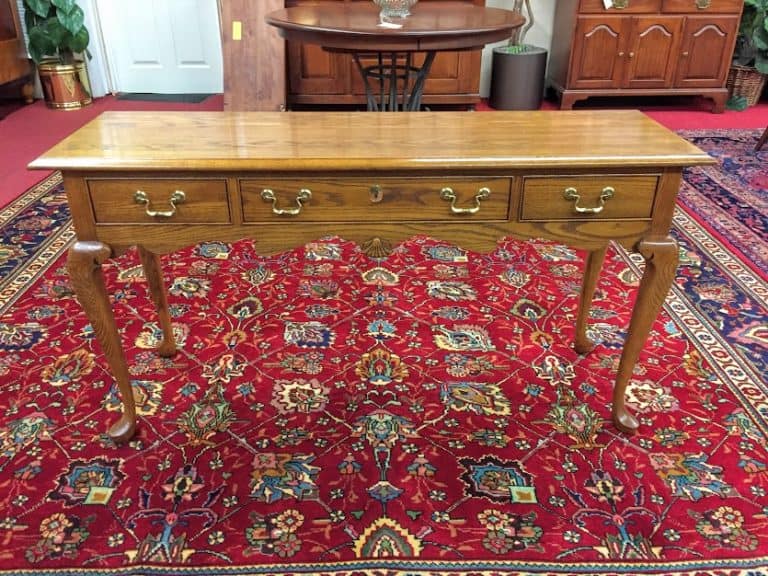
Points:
[[165, 47]]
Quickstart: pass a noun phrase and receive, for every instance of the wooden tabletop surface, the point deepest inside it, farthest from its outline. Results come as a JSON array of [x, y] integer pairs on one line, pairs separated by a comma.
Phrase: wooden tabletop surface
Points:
[[432, 25], [315, 141]]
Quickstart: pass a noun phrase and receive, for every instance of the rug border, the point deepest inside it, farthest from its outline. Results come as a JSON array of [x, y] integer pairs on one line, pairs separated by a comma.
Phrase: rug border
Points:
[[414, 567], [16, 283]]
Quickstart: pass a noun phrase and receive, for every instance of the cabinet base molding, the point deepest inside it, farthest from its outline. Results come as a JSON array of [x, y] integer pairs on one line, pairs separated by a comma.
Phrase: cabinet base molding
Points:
[[718, 96]]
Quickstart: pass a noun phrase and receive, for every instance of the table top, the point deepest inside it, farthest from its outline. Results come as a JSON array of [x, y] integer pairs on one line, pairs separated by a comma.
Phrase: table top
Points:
[[328, 141], [431, 26]]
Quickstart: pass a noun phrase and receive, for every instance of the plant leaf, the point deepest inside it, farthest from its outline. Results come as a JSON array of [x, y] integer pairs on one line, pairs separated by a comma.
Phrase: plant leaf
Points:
[[39, 7], [30, 19], [738, 103], [65, 5], [761, 63], [72, 20], [55, 31], [79, 42], [40, 44]]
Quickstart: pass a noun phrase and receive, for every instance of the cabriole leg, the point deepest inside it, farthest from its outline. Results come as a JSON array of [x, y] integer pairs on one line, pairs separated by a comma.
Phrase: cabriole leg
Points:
[[84, 267], [154, 275], [661, 258], [593, 265]]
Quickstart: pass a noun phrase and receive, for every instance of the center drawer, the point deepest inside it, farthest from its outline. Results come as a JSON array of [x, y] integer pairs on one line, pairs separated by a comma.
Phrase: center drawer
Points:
[[372, 199]]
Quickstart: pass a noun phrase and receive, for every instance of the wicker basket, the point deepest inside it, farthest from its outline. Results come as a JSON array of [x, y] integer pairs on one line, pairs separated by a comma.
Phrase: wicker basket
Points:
[[745, 81]]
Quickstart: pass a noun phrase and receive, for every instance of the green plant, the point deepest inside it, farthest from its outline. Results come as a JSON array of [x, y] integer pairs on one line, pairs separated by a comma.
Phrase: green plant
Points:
[[752, 42], [55, 29]]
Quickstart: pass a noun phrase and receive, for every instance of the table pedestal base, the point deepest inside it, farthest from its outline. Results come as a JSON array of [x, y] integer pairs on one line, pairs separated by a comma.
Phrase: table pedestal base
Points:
[[400, 82]]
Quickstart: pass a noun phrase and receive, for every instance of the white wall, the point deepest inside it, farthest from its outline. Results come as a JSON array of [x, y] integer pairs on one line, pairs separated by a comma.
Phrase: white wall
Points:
[[539, 35]]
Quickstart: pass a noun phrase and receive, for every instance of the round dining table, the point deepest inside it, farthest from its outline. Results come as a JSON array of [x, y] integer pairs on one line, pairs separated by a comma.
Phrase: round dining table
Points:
[[394, 81]]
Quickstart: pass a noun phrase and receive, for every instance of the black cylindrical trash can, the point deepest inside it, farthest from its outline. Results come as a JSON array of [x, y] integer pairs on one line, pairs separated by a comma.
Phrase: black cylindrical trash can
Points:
[[517, 77]]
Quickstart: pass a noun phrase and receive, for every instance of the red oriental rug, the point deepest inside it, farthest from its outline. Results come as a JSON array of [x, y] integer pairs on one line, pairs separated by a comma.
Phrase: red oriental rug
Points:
[[422, 414]]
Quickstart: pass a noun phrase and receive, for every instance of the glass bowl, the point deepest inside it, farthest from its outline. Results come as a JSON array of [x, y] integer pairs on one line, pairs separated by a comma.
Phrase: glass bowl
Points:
[[395, 8]]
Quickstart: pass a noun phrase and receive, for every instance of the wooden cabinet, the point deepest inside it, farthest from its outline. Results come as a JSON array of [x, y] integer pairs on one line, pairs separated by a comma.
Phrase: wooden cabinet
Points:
[[646, 47], [317, 77], [14, 65]]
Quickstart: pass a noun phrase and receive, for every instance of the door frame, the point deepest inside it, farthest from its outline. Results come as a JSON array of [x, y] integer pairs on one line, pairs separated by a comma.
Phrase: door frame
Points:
[[100, 73]]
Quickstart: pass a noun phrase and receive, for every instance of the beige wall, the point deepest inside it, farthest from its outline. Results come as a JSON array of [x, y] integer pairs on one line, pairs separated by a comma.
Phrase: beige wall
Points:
[[539, 35]]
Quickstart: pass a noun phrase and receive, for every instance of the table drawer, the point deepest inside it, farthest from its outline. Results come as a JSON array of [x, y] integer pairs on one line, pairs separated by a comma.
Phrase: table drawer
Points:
[[374, 199], [159, 201], [604, 197], [703, 6], [598, 7]]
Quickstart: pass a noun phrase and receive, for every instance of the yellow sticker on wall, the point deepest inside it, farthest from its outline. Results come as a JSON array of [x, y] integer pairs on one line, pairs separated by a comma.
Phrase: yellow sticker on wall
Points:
[[237, 30]]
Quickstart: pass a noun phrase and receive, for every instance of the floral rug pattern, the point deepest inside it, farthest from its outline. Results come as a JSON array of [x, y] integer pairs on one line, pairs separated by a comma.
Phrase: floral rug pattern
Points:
[[328, 413]]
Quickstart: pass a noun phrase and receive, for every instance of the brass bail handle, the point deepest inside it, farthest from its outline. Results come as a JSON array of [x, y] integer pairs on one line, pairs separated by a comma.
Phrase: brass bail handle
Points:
[[304, 195], [703, 4], [448, 194], [573, 194], [620, 4], [140, 197]]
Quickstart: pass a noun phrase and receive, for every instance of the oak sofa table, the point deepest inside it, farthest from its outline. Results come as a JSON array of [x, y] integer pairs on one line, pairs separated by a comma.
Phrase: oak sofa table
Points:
[[162, 181], [385, 55]]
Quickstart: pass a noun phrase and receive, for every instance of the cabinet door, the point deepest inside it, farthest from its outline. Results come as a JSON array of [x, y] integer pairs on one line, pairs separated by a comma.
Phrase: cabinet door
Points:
[[598, 52], [707, 49], [312, 70], [653, 49]]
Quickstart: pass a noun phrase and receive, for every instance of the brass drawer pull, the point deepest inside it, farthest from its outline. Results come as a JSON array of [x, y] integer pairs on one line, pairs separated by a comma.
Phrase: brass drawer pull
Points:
[[703, 4], [140, 197], [448, 194], [620, 4], [573, 194], [304, 195]]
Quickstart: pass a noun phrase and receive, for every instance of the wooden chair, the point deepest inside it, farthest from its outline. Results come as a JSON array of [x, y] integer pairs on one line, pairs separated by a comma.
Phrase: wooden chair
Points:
[[762, 140]]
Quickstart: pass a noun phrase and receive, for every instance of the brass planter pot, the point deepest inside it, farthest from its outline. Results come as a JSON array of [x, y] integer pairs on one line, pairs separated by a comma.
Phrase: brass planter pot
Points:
[[65, 86]]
